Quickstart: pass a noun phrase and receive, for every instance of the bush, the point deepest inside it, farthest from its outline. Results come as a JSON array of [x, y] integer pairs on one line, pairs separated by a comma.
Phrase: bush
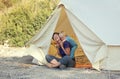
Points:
[[20, 22]]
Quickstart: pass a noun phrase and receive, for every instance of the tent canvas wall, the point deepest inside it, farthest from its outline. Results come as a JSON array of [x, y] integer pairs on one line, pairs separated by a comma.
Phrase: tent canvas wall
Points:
[[101, 54], [102, 18]]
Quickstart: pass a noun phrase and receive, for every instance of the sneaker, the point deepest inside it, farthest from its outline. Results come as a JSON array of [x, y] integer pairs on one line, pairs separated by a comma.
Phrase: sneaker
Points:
[[62, 66]]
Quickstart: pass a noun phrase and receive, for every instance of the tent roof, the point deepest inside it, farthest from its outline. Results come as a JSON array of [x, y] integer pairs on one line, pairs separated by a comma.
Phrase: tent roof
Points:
[[102, 17]]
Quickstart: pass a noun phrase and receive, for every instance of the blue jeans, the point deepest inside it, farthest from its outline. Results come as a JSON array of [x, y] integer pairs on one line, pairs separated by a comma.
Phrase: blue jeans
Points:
[[66, 60]]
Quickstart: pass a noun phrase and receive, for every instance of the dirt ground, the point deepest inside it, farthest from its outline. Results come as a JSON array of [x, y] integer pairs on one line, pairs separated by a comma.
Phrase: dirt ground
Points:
[[13, 67]]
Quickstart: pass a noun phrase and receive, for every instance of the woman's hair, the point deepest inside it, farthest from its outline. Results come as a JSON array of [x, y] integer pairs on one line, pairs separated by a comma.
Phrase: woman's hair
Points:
[[54, 34]]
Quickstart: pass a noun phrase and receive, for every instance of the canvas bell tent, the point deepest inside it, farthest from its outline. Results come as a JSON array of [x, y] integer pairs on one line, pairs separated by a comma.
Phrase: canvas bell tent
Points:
[[97, 45]]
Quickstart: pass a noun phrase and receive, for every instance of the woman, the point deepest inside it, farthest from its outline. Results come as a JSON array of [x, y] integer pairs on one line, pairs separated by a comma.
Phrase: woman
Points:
[[64, 49]]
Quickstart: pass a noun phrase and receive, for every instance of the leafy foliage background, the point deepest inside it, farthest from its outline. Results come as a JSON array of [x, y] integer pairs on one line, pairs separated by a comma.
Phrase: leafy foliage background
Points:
[[22, 19]]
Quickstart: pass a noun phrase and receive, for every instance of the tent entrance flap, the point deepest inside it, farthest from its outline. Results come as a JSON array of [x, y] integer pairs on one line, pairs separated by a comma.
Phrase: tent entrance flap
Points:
[[63, 24]]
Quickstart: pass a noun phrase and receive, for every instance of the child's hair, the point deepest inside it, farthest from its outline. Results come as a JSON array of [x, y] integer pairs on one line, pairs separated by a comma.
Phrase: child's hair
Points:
[[62, 33]]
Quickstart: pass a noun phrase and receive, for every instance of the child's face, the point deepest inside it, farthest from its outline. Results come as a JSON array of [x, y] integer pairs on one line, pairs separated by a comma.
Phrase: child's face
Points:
[[61, 36]]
